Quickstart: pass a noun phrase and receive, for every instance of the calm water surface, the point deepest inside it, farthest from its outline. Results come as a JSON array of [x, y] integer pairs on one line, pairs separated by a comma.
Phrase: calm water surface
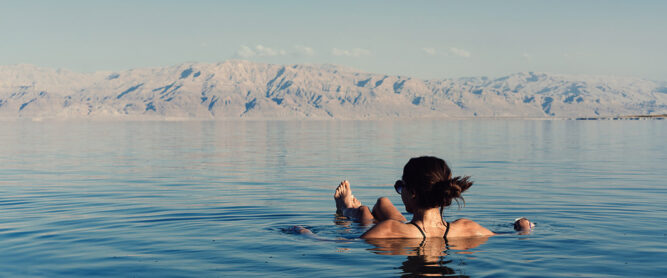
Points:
[[210, 199]]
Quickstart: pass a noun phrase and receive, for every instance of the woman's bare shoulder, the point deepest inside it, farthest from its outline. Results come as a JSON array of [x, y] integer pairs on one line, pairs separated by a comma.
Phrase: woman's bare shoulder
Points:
[[467, 228], [388, 229]]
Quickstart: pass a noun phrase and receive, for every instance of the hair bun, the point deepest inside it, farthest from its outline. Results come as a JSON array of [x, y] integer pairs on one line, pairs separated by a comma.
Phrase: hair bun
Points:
[[445, 186], [457, 186], [455, 189]]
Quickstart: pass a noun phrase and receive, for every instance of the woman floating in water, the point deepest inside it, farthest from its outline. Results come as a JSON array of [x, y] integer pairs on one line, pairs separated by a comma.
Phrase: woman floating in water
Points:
[[427, 187]]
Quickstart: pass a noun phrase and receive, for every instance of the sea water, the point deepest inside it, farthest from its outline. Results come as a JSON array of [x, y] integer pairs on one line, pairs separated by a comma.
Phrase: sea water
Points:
[[214, 199]]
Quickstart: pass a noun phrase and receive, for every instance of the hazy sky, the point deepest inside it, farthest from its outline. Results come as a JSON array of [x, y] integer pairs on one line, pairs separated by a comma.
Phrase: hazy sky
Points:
[[426, 39]]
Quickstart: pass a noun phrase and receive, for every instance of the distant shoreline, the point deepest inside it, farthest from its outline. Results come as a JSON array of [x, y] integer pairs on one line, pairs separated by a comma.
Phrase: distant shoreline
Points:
[[195, 119], [629, 117]]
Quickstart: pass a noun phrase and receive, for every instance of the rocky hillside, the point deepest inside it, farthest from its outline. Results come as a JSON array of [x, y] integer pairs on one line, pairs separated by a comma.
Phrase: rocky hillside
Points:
[[241, 89]]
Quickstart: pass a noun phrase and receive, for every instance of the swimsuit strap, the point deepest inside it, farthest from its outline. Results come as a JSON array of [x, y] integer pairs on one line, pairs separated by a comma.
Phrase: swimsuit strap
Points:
[[420, 230], [423, 239], [444, 222], [446, 231]]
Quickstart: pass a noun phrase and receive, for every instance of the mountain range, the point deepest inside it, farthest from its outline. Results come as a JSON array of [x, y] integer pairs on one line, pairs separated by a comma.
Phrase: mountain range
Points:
[[246, 90]]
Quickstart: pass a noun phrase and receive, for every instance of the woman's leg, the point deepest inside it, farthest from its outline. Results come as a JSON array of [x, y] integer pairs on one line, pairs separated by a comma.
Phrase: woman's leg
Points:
[[365, 216], [349, 206], [384, 210]]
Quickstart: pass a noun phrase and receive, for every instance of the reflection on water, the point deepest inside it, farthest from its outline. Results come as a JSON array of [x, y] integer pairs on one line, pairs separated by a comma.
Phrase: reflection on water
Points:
[[423, 257], [424, 266], [426, 257]]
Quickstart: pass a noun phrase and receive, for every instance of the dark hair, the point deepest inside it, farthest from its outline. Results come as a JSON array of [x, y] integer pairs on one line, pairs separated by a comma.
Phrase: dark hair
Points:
[[432, 181]]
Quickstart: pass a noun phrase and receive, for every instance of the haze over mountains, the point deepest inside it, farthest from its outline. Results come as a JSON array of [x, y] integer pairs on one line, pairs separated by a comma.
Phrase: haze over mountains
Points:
[[247, 90]]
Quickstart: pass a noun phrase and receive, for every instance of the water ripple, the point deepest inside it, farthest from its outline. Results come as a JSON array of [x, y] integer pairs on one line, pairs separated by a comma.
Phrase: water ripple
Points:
[[214, 198]]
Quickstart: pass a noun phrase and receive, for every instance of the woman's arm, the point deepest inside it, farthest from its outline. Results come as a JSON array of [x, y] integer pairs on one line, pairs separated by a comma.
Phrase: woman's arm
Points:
[[467, 228]]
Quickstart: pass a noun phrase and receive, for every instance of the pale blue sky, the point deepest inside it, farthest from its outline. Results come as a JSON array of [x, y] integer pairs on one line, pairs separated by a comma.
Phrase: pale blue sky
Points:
[[425, 39]]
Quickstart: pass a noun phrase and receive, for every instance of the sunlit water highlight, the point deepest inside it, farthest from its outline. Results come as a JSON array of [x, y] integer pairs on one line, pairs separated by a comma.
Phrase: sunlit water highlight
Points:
[[214, 199]]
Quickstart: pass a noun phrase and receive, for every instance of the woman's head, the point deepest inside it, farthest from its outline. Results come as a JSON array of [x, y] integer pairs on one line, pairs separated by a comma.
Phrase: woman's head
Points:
[[429, 181]]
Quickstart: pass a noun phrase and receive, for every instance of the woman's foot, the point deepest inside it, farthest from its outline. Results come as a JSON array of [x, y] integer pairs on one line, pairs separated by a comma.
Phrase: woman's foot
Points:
[[344, 198], [523, 225]]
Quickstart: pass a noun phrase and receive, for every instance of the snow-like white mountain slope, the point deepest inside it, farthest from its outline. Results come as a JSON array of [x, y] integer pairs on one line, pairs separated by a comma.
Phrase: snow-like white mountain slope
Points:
[[241, 89]]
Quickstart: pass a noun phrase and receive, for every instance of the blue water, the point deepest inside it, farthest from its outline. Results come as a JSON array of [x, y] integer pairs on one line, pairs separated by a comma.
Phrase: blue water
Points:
[[211, 199]]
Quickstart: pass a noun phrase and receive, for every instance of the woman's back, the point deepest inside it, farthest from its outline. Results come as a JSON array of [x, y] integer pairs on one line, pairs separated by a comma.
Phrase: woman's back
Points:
[[395, 229]]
